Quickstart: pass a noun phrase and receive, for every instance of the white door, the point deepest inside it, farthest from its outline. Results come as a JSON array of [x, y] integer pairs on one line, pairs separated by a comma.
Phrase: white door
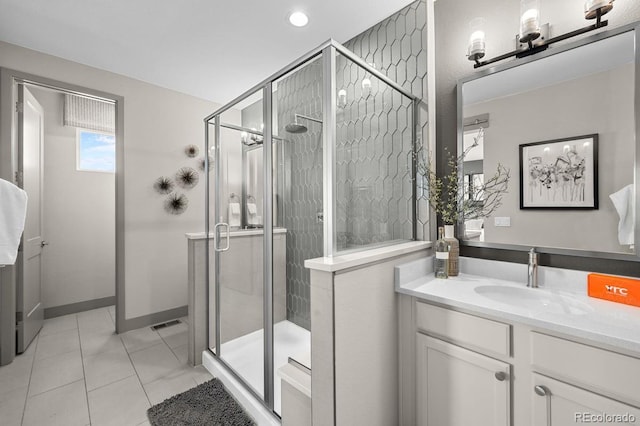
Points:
[[458, 387], [559, 404], [29, 309]]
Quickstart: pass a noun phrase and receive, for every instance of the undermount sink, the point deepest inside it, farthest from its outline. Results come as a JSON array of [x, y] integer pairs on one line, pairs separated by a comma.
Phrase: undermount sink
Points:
[[534, 299]]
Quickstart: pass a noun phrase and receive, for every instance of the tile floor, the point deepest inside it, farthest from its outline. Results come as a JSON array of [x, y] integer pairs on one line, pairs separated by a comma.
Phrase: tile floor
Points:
[[79, 372]]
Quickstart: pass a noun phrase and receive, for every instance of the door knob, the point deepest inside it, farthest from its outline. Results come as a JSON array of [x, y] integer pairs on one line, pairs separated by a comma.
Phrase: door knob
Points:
[[44, 243], [501, 375]]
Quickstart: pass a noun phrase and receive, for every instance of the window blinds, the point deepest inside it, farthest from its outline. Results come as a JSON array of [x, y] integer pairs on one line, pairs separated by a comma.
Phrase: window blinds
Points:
[[88, 113]]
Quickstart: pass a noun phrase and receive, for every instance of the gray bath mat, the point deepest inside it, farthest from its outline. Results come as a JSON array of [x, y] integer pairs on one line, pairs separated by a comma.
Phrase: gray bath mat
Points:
[[206, 404]]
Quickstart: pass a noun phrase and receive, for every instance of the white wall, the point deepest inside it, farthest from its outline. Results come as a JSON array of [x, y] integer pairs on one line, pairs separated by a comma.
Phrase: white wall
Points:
[[158, 124], [79, 217]]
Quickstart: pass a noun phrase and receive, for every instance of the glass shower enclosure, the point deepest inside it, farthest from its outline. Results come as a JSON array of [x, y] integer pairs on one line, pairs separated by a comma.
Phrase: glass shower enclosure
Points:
[[317, 160]]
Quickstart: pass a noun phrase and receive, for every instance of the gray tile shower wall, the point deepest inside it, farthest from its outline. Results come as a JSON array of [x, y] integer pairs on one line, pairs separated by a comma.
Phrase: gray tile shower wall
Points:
[[377, 177], [373, 167], [300, 93], [374, 179]]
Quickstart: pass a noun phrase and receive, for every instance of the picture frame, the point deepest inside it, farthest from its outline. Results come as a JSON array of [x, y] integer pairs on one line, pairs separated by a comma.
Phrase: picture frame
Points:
[[560, 173]]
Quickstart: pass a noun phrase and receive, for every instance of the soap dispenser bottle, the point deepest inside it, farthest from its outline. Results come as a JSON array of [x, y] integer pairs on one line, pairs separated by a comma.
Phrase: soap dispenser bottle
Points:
[[442, 247]]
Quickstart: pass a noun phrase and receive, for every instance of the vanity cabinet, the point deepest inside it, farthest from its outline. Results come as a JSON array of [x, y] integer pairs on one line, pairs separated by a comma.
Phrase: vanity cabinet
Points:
[[471, 370], [590, 382], [459, 387], [459, 383], [558, 404]]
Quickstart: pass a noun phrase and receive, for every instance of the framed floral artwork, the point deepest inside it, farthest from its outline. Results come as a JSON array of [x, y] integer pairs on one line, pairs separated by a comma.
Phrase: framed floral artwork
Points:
[[560, 173]]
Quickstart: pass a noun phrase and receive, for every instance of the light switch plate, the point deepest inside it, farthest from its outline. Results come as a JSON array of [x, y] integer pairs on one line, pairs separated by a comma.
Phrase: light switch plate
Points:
[[502, 221]]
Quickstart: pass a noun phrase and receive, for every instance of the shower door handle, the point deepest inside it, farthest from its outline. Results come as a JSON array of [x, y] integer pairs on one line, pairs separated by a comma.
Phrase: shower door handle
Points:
[[217, 234]]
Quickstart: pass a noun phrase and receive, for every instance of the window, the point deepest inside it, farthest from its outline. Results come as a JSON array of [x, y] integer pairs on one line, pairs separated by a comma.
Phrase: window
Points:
[[96, 152]]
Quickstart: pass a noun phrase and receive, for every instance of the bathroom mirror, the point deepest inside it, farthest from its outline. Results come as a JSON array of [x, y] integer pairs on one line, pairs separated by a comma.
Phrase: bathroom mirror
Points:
[[564, 123]]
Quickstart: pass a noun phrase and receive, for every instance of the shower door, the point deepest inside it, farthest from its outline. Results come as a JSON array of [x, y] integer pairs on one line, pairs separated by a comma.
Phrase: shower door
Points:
[[265, 209], [238, 275]]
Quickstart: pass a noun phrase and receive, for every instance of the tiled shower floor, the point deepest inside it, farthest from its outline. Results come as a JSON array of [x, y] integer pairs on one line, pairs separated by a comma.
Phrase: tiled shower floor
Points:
[[245, 354], [79, 372]]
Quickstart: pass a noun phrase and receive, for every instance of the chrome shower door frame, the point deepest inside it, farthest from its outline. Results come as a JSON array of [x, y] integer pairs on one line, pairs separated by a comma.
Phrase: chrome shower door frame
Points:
[[329, 51]]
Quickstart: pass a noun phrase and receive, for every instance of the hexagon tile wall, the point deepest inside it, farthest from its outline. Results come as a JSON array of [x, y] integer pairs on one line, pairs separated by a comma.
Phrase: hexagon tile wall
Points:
[[374, 187]]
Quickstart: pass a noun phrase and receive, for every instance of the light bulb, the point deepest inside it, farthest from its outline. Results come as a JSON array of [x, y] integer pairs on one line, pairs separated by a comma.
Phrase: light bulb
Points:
[[366, 86], [342, 98], [591, 7], [476, 45], [476, 48], [529, 20]]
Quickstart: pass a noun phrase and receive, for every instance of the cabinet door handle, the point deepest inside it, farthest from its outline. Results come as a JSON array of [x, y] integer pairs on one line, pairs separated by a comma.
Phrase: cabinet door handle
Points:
[[501, 376], [544, 391], [541, 390]]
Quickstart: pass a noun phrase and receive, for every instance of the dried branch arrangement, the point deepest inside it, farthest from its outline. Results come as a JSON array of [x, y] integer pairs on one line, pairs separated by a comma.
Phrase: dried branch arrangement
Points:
[[453, 199]]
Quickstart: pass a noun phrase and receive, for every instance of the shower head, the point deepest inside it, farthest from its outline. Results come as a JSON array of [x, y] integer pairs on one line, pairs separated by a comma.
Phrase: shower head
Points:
[[295, 128]]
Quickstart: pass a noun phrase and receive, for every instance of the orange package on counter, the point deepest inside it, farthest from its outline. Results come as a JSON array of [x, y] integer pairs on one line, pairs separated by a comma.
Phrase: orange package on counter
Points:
[[613, 288]]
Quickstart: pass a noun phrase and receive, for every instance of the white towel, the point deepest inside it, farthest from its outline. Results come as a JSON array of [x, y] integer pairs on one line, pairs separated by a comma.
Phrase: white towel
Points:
[[13, 213], [623, 202], [234, 214], [251, 207]]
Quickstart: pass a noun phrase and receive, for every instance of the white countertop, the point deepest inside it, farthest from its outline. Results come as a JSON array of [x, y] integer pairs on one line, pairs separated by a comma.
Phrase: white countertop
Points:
[[359, 258], [599, 321]]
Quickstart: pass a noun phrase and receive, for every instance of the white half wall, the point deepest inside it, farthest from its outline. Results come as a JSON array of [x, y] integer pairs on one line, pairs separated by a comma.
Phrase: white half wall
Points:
[[158, 124], [79, 217]]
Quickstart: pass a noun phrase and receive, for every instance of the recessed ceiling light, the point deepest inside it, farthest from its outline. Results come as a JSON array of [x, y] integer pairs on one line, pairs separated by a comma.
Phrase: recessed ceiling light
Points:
[[298, 19]]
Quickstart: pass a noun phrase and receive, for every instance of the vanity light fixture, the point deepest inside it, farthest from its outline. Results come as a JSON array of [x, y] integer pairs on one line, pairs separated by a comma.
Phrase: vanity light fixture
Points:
[[531, 30], [298, 19], [476, 49]]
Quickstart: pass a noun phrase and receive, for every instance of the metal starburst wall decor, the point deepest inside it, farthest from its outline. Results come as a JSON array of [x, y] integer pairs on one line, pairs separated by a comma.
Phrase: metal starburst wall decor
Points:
[[187, 177], [163, 185], [191, 151], [176, 204]]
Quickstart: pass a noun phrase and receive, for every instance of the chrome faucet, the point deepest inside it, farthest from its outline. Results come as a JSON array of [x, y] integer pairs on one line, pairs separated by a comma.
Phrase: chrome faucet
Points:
[[532, 270]]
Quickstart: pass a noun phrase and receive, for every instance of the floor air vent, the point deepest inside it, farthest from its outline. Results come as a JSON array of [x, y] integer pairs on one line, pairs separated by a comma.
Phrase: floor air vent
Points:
[[165, 324]]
